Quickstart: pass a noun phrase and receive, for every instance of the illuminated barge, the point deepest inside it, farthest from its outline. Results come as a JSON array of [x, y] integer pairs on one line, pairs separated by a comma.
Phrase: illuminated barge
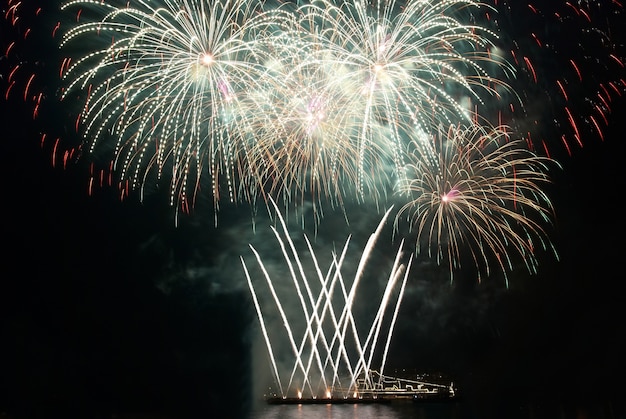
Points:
[[382, 389]]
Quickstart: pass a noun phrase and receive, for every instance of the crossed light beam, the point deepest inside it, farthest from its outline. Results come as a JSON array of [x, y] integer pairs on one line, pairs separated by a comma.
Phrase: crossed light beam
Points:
[[330, 359]]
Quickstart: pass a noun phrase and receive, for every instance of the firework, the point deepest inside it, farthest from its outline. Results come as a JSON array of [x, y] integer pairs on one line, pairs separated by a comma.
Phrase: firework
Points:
[[305, 145], [345, 84], [571, 69], [406, 65], [483, 195], [318, 102], [332, 358], [312, 102], [162, 83]]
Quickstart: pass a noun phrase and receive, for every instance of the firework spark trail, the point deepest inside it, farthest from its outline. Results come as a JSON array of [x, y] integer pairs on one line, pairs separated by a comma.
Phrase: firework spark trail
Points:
[[374, 332], [178, 85], [341, 102], [284, 318], [305, 149], [337, 336], [314, 315], [400, 61], [325, 296], [168, 86], [484, 195], [362, 349], [350, 298], [266, 337], [394, 318], [315, 103], [571, 64]]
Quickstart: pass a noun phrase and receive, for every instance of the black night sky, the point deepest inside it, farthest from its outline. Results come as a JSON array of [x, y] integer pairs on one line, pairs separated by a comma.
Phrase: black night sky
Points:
[[112, 307]]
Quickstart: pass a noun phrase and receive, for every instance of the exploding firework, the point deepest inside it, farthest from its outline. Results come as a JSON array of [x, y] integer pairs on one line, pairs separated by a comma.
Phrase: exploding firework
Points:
[[306, 145], [352, 80], [316, 102], [483, 195], [162, 83], [309, 101], [571, 59], [407, 65]]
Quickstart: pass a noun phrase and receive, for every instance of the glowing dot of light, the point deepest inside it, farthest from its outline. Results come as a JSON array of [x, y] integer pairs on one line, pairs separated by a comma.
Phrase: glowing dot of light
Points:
[[207, 59], [449, 196]]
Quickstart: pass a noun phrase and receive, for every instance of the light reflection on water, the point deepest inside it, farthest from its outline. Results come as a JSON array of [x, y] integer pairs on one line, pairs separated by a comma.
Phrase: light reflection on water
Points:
[[357, 411], [493, 410]]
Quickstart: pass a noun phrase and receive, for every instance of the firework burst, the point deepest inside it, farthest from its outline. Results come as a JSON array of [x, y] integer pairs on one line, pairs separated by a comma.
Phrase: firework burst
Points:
[[409, 65], [305, 146], [483, 194], [165, 87], [571, 69], [317, 102]]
